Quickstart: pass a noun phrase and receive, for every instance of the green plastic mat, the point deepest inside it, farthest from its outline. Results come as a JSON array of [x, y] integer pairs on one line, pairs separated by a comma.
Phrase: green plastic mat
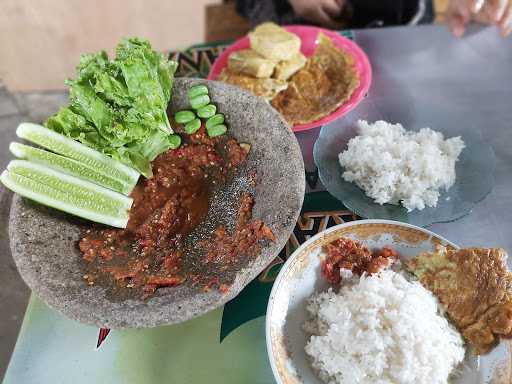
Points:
[[224, 346]]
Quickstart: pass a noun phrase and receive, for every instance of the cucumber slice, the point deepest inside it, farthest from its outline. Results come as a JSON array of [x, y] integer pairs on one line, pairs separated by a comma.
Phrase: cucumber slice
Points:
[[65, 202], [67, 147], [85, 193], [68, 166]]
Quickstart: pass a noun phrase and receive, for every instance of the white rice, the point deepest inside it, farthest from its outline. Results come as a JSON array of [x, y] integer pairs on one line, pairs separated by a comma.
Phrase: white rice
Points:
[[393, 165], [382, 329]]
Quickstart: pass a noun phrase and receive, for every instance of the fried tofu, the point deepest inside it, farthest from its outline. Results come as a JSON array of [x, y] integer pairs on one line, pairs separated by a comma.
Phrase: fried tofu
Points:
[[475, 287], [274, 43], [251, 63], [286, 69]]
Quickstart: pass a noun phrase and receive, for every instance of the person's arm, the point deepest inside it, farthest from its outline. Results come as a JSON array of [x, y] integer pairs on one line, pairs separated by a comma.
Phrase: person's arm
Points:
[[323, 12], [494, 12], [259, 11], [327, 13]]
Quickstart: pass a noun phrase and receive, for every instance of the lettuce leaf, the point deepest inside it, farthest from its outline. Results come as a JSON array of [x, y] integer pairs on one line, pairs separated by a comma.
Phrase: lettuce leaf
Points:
[[119, 106]]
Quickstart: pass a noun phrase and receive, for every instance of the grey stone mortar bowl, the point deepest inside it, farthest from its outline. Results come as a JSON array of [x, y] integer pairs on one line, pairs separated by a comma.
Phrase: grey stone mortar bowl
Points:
[[44, 241]]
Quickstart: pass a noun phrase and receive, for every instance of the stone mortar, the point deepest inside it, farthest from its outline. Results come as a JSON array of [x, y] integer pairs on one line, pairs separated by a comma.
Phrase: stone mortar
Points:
[[44, 241]]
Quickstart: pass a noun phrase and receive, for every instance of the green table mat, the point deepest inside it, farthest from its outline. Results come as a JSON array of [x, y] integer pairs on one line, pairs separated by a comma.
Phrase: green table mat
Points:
[[224, 346]]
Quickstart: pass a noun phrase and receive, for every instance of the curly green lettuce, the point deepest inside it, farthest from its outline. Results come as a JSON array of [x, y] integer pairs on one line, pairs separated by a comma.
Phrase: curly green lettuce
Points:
[[118, 106]]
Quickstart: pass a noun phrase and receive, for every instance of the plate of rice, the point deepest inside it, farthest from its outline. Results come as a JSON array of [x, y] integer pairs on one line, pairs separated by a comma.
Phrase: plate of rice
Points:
[[382, 327], [423, 169]]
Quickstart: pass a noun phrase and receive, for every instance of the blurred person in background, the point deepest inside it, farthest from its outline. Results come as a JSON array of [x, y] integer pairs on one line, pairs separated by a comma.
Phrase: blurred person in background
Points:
[[338, 14], [492, 12]]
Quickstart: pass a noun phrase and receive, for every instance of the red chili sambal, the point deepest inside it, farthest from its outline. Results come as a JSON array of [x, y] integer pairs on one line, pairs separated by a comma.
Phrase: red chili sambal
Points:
[[352, 255], [156, 250]]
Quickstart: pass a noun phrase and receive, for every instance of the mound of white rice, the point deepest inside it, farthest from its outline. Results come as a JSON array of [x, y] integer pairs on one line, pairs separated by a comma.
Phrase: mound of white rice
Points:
[[382, 329], [393, 165]]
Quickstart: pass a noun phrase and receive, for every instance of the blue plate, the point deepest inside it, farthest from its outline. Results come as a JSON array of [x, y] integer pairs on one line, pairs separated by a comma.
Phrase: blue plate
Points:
[[474, 170]]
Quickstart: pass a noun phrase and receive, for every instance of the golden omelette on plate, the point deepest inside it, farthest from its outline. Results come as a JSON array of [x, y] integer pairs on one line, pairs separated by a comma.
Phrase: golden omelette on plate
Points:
[[302, 89], [475, 287]]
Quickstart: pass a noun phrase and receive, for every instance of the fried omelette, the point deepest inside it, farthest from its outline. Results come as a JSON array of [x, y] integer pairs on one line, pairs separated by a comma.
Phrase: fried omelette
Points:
[[264, 87], [475, 287], [320, 87]]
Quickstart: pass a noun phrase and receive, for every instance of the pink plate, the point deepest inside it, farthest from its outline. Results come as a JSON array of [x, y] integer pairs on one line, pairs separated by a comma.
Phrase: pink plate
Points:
[[308, 36]]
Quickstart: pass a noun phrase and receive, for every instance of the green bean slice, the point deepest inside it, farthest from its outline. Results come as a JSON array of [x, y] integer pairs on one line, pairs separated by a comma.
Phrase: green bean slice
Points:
[[200, 101], [192, 126], [183, 117], [174, 141], [217, 130], [215, 120], [197, 90], [207, 111]]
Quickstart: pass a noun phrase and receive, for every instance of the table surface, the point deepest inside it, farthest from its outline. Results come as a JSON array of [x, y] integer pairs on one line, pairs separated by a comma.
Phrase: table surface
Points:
[[412, 67], [425, 65]]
